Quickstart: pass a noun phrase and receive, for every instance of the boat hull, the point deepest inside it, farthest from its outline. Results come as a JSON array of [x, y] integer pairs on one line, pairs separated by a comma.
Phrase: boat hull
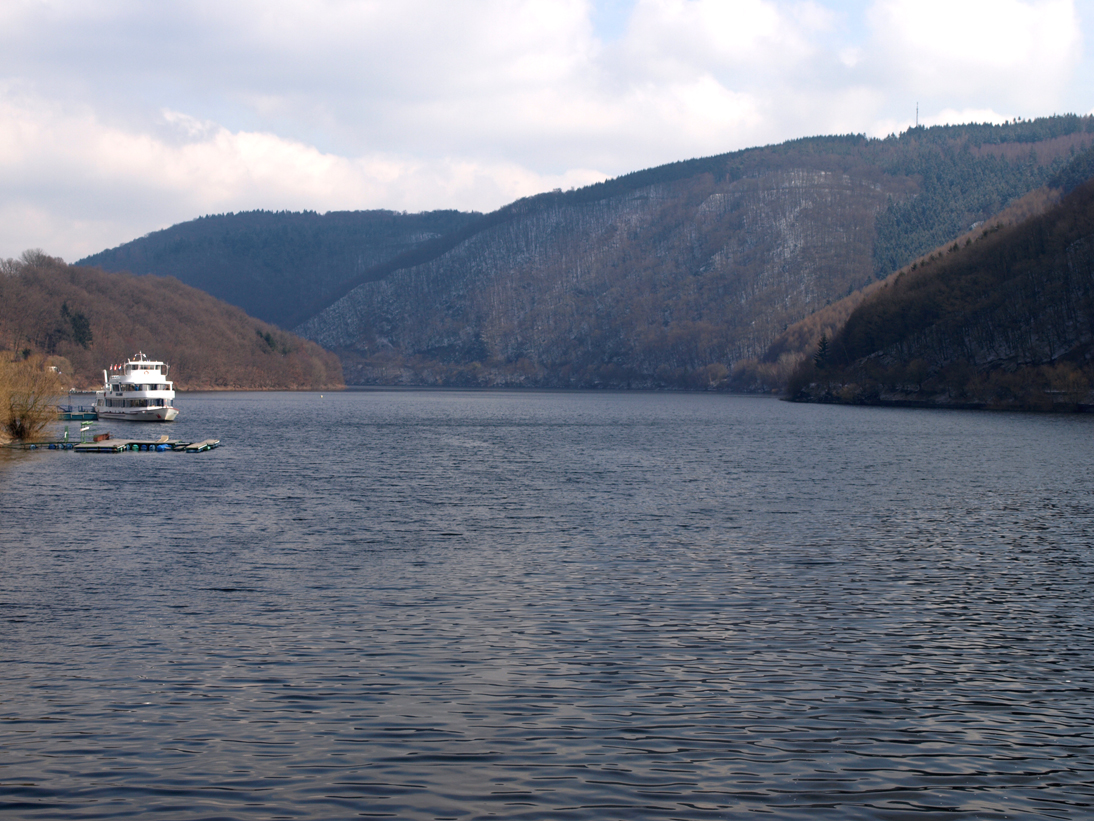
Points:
[[140, 414]]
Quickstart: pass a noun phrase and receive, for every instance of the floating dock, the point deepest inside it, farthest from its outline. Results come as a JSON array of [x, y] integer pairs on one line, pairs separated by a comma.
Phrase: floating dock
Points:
[[161, 446], [107, 445]]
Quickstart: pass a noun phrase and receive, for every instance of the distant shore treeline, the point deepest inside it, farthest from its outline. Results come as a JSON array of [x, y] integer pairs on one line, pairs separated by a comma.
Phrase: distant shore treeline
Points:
[[82, 320]]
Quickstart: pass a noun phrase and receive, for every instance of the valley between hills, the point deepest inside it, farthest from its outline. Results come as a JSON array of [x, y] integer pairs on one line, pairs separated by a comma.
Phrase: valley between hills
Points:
[[941, 266]]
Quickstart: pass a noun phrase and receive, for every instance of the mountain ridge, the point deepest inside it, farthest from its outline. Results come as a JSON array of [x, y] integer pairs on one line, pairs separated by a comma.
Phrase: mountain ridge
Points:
[[272, 264], [731, 257], [670, 277]]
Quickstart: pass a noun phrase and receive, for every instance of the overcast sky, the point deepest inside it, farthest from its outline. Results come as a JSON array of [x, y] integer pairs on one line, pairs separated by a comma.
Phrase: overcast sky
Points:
[[119, 117]]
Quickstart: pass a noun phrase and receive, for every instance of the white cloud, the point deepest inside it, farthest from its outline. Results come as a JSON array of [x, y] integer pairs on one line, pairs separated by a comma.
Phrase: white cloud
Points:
[[59, 165], [850, 57], [1020, 54], [708, 32], [122, 116]]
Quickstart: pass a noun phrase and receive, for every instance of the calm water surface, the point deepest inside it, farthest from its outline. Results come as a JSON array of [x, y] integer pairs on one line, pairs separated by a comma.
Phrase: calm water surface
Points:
[[547, 605]]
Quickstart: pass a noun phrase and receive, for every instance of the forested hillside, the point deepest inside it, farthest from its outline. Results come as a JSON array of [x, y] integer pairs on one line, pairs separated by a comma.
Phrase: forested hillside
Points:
[[671, 277], [772, 371], [279, 267], [1003, 319], [84, 319]]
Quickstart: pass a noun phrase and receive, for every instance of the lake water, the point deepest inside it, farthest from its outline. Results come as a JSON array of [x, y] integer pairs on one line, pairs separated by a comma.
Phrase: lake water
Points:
[[466, 605]]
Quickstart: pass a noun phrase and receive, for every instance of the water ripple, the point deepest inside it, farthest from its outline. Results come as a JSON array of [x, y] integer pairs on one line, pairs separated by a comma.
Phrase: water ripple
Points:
[[587, 606]]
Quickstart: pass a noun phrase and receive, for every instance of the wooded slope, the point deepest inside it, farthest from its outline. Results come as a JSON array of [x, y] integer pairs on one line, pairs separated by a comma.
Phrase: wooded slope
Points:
[[1005, 319], [671, 277], [277, 266], [772, 371], [668, 277], [87, 319]]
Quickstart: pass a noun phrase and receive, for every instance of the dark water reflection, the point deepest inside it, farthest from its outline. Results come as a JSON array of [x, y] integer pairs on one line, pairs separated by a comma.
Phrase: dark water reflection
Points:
[[465, 605]]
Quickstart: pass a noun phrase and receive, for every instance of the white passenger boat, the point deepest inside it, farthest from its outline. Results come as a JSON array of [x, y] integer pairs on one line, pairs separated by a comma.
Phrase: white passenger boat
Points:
[[137, 391]]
